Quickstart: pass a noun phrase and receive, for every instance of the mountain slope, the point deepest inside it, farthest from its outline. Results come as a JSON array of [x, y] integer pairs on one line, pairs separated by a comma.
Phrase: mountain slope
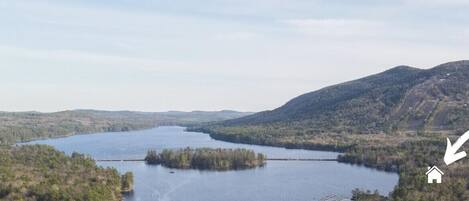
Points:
[[401, 99], [38, 172], [397, 120]]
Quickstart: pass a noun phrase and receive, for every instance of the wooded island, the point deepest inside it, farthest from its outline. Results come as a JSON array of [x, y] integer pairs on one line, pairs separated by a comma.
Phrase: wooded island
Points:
[[206, 158]]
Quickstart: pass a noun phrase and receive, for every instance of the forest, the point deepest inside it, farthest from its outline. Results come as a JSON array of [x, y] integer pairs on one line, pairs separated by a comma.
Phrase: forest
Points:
[[410, 160], [407, 154], [397, 120], [26, 126], [38, 172], [206, 158], [34, 172]]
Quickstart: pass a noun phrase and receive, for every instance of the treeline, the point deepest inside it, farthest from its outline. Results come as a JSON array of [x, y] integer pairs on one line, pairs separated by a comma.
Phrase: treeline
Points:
[[275, 136], [399, 157], [410, 160], [206, 158], [359, 195], [25, 126], [407, 154], [38, 172]]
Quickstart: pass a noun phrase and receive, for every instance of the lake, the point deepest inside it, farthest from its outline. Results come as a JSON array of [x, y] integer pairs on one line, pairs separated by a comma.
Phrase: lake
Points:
[[276, 181]]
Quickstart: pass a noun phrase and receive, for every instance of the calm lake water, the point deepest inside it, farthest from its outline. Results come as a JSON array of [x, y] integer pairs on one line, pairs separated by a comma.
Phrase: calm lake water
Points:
[[277, 181]]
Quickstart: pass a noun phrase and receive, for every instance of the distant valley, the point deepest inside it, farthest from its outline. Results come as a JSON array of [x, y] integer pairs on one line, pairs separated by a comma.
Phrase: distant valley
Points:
[[396, 121], [24, 126]]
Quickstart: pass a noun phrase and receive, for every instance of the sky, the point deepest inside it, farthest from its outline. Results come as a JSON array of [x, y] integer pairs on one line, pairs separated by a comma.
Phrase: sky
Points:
[[246, 55]]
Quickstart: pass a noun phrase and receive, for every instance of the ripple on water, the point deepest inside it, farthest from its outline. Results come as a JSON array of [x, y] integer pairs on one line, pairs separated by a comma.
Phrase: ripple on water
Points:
[[277, 181]]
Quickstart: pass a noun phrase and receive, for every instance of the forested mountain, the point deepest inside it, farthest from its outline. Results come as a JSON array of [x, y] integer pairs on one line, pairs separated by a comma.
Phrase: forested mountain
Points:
[[22, 126], [397, 120], [401, 99]]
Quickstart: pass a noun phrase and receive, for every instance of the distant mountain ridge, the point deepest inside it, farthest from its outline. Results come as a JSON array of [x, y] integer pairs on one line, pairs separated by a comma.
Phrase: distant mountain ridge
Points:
[[400, 99], [24, 126]]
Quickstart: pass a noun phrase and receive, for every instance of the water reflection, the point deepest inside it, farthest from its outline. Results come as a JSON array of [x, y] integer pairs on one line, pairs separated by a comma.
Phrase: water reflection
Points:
[[276, 181]]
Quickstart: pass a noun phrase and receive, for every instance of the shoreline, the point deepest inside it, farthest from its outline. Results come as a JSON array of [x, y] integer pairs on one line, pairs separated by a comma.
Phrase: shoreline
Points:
[[325, 148], [185, 129], [78, 134]]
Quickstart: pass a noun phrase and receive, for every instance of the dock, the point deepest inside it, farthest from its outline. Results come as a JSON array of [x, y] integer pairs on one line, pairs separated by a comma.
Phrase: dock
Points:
[[301, 159], [268, 159]]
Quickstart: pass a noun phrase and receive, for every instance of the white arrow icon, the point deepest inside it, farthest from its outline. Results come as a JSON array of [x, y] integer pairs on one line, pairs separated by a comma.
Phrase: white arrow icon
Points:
[[451, 156]]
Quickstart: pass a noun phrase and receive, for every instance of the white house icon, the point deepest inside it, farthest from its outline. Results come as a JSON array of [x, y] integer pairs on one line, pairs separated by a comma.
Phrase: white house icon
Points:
[[433, 174]]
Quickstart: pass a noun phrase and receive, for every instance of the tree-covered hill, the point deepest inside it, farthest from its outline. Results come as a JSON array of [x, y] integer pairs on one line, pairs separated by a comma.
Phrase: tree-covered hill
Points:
[[38, 172], [397, 120], [22, 126], [400, 99]]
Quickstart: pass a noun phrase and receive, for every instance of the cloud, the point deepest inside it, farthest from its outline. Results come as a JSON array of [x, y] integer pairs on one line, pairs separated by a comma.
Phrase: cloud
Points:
[[380, 31], [449, 3], [335, 27], [238, 36], [222, 52]]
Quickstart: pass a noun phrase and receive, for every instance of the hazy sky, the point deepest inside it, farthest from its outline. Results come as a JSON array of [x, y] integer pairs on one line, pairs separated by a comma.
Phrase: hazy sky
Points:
[[247, 55]]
